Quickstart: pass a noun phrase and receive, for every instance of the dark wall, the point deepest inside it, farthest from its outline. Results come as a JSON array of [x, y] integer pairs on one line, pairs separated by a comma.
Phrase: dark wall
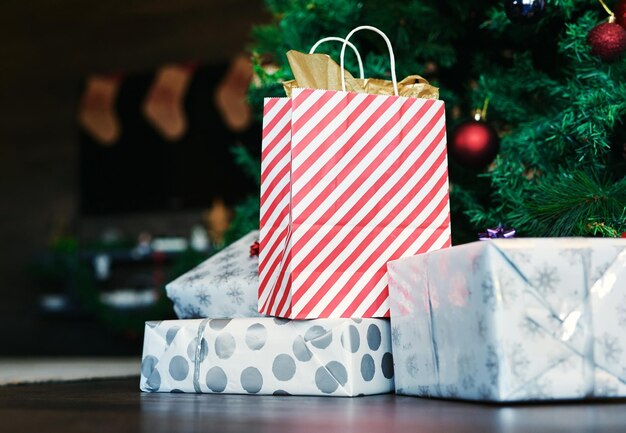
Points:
[[47, 50]]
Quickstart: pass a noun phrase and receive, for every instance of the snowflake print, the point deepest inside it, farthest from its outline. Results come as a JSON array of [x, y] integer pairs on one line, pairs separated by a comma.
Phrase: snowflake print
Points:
[[530, 327], [611, 348], [395, 335], [599, 272], [476, 262], [423, 390], [192, 312], [225, 257], [489, 295], [493, 365], [228, 312], [411, 366], [577, 256], [253, 310], [484, 392], [225, 276], [538, 390], [252, 275], [468, 382], [196, 276], [236, 295], [452, 391], [203, 298], [568, 363], [482, 328], [546, 280], [518, 361]]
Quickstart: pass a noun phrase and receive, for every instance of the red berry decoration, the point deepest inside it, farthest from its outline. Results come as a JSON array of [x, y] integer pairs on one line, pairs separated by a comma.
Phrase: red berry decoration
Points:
[[623, 235], [607, 40], [474, 144], [620, 13], [254, 249]]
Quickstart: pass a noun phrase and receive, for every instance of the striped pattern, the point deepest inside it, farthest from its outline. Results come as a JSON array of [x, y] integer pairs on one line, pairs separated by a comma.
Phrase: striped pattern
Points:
[[369, 184], [275, 198]]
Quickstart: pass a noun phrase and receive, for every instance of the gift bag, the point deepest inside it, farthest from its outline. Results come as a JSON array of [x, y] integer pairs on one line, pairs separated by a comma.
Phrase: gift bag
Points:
[[350, 180]]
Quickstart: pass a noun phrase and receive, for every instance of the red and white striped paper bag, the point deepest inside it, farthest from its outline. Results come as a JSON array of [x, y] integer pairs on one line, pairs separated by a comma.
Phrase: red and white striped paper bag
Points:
[[349, 182]]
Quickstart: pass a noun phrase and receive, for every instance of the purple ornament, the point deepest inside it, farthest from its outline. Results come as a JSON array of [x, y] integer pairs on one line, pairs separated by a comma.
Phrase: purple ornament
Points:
[[499, 232], [524, 11]]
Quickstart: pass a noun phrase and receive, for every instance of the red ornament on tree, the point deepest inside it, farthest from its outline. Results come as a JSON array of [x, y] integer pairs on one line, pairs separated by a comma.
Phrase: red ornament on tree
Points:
[[620, 13], [607, 40], [474, 143]]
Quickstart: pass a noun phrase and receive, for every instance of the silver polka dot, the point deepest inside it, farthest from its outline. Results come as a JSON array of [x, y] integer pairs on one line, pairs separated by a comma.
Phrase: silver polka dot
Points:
[[338, 371], [225, 345], [300, 350], [325, 381], [280, 392], [192, 346], [218, 324], [368, 367], [357, 320], [148, 364], [350, 339], [171, 334], [251, 380], [283, 367], [216, 379], [256, 335], [153, 323], [387, 365], [154, 381], [179, 368], [280, 321], [328, 379], [373, 337], [319, 337]]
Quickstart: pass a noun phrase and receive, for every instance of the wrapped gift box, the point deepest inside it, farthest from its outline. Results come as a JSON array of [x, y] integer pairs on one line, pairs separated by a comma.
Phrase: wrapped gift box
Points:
[[512, 320], [336, 357], [225, 285]]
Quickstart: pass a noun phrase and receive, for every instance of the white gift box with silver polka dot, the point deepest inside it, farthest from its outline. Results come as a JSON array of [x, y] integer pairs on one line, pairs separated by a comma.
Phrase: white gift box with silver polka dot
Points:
[[270, 356]]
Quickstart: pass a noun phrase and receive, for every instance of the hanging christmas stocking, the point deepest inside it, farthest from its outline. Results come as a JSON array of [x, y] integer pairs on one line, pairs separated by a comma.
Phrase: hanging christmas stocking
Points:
[[163, 106], [96, 113], [230, 95]]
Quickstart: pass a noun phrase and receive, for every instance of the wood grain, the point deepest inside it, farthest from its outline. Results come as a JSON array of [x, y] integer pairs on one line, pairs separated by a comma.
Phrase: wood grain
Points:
[[117, 405]]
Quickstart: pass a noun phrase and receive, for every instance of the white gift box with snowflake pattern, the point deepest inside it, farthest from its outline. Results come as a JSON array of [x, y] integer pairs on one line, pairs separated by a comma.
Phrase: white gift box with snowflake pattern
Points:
[[332, 357], [512, 320], [224, 286]]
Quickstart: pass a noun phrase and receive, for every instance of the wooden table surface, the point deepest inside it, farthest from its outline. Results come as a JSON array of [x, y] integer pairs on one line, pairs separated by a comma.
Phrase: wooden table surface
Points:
[[118, 406]]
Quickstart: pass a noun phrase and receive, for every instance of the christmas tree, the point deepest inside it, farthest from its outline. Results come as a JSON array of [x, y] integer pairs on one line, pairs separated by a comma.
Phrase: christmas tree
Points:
[[547, 76]]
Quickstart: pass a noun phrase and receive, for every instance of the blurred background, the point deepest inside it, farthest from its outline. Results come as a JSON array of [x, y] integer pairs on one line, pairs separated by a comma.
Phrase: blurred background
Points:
[[117, 172]]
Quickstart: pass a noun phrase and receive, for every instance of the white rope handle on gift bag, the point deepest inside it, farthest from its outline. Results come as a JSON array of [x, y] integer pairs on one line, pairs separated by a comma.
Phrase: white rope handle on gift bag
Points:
[[350, 44], [392, 59]]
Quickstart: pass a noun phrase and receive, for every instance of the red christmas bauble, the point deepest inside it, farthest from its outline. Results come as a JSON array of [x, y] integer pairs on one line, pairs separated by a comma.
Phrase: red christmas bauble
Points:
[[623, 235], [474, 144], [607, 40], [620, 13]]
